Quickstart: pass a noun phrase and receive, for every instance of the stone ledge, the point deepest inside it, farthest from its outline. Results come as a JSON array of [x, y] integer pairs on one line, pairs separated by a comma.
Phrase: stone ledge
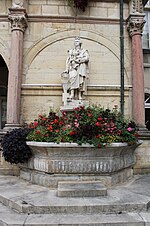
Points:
[[69, 145], [11, 218], [81, 189]]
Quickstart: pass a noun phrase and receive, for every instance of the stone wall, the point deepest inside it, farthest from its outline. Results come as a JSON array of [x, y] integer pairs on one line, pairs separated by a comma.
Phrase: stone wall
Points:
[[52, 26]]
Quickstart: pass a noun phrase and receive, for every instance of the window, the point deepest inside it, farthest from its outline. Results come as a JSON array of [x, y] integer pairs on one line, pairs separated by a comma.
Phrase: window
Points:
[[147, 110], [146, 31]]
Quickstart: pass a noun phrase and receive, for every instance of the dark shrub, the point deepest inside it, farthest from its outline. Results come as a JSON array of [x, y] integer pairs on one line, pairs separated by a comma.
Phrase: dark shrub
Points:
[[14, 146]]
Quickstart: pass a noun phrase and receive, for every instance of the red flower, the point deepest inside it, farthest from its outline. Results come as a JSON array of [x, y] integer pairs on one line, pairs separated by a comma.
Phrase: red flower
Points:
[[56, 121], [62, 140], [61, 123], [90, 115], [72, 133], [98, 124], [64, 112], [76, 109], [136, 135], [56, 130], [38, 132], [98, 136], [50, 128], [35, 123], [100, 119]]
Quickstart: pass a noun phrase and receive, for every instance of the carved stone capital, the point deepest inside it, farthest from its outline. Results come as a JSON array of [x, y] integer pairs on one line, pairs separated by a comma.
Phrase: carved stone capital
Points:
[[18, 19], [136, 6], [135, 24]]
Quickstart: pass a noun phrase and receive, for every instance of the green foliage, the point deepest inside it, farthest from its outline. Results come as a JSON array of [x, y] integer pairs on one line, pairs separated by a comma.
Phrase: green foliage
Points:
[[93, 125]]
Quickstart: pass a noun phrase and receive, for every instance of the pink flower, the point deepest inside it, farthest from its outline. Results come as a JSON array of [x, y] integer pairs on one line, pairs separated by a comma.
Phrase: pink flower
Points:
[[76, 124], [68, 126], [129, 129]]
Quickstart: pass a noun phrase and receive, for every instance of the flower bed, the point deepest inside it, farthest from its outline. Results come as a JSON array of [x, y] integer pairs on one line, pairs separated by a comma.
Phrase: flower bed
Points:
[[92, 125]]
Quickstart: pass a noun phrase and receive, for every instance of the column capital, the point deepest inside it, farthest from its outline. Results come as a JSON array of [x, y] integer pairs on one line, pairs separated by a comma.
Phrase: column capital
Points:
[[18, 19], [136, 6], [135, 24]]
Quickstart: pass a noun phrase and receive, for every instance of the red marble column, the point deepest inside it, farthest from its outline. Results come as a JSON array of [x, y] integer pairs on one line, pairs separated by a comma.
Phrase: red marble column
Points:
[[135, 26], [17, 17]]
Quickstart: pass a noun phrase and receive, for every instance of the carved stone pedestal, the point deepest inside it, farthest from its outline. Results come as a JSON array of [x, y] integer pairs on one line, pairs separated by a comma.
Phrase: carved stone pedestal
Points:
[[71, 104]]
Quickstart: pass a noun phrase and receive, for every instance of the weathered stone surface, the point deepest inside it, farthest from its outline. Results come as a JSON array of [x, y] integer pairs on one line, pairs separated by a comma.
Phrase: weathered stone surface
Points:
[[27, 198], [81, 189], [59, 162], [9, 217], [142, 154], [125, 205], [51, 180], [72, 158]]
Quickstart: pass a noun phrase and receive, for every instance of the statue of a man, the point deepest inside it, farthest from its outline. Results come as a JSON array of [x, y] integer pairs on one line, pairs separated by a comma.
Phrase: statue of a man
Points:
[[77, 68]]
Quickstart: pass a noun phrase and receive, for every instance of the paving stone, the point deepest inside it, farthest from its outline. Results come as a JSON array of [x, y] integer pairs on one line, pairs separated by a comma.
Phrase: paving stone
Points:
[[10, 218], [124, 206], [86, 220], [28, 198]]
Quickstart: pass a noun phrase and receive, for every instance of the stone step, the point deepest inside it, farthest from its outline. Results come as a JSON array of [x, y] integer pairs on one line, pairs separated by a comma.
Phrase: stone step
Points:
[[9, 171], [11, 218], [81, 189], [25, 197]]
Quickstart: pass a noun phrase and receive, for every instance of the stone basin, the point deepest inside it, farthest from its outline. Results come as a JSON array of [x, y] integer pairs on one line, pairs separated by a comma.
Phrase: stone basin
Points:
[[53, 162]]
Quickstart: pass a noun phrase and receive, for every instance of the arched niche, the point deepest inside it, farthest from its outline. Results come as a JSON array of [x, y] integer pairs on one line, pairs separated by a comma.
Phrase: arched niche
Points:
[[45, 60]]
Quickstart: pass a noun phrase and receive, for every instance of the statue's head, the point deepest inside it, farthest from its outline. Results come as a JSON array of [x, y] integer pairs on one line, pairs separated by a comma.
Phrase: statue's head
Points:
[[77, 41]]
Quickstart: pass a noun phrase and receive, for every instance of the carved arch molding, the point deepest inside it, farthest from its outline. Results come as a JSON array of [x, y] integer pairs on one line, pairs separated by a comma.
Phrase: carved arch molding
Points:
[[4, 52], [84, 34]]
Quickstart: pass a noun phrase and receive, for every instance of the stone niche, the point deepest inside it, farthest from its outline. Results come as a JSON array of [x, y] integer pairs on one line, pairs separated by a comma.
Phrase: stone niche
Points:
[[43, 85]]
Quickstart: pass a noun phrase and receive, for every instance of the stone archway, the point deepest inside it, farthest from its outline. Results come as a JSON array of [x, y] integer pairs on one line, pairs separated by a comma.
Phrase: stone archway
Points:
[[3, 91]]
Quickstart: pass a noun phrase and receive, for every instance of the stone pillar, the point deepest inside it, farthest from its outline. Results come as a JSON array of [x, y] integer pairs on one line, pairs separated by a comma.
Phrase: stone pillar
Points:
[[17, 18], [135, 28]]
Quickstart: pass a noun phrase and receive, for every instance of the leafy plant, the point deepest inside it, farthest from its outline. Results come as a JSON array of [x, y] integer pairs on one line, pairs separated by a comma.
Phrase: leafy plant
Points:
[[14, 146], [92, 125], [79, 4]]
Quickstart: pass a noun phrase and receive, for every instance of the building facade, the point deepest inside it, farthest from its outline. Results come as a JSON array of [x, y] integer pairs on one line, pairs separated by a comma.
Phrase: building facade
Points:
[[34, 39]]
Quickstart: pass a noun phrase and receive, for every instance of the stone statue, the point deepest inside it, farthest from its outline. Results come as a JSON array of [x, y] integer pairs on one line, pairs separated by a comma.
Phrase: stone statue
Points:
[[76, 73], [17, 3]]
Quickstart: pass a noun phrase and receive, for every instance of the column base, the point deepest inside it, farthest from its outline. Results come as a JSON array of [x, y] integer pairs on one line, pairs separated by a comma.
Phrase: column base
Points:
[[144, 133], [9, 127]]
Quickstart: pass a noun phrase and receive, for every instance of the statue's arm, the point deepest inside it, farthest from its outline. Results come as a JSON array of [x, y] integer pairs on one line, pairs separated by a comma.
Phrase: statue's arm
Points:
[[84, 58]]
